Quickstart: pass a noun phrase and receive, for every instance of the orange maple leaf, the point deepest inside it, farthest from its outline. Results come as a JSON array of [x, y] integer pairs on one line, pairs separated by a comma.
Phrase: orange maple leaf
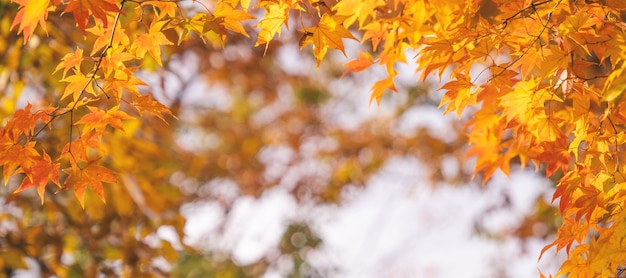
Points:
[[31, 13], [556, 155], [91, 176], [16, 158], [379, 88], [98, 119], [24, 122], [571, 230], [97, 8], [148, 104], [43, 171], [364, 61], [81, 148], [459, 95]]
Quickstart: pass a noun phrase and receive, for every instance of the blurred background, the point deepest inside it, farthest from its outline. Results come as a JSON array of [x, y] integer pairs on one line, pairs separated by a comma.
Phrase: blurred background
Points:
[[273, 168]]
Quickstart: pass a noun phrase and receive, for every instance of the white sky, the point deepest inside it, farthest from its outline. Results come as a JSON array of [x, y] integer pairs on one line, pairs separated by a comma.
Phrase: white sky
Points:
[[397, 226]]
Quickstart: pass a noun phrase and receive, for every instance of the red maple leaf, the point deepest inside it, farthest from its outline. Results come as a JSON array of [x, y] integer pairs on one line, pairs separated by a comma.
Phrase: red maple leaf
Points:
[[97, 8]]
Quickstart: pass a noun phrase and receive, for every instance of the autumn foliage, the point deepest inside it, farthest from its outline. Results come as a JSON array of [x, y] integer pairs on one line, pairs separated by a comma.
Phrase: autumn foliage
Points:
[[540, 82]]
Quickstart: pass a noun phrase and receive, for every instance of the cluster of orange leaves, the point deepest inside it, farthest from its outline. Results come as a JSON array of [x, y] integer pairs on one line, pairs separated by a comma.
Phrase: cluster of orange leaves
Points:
[[542, 79]]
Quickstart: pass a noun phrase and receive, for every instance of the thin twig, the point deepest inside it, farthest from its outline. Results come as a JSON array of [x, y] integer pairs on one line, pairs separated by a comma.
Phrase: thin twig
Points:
[[95, 70]]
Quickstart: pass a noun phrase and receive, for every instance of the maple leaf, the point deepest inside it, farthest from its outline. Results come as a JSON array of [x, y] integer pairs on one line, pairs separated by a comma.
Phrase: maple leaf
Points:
[[379, 88], [615, 87], [96, 8], [148, 104], [231, 18], [531, 59], [99, 119], [71, 61], [78, 83], [571, 230], [103, 36], [555, 58], [116, 87], [91, 176], [354, 10], [364, 61], [327, 34], [556, 154], [375, 32], [24, 122], [214, 29], [526, 103], [589, 200], [546, 128], [151, 42], [43, 172], [165, 8], [459, 94], [16, 158], [81, 148], [272, 23], [31, 13]]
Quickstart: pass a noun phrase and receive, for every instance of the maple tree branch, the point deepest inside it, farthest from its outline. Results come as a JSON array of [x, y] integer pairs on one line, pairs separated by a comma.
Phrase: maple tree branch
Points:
[[535, 39], [53, 116], [591, 78], [94, 71], [102, 90], [532, 6], [102, 55], [616, 169]]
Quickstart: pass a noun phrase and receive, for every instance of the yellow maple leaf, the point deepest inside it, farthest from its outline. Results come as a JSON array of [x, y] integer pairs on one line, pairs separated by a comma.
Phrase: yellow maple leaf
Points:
[[327, 34], [78, 83], [546, 128], [614, 86], [355, 10], [523, 103], [231, 18], [165, 8], [70, 61], [275, 16], [103, 36], [151, 42], [31, 13]]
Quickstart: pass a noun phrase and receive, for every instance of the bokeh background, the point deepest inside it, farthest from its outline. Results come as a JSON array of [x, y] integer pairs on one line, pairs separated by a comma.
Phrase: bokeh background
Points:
[[273, 168]]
